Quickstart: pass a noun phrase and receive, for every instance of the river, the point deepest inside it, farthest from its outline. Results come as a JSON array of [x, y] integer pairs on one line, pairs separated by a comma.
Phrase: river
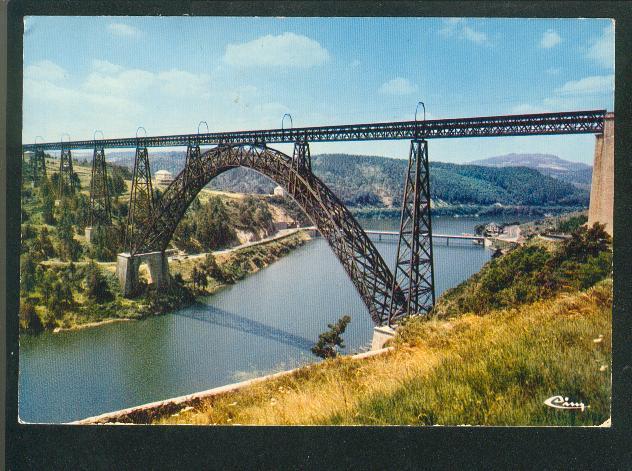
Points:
[[265, 323]]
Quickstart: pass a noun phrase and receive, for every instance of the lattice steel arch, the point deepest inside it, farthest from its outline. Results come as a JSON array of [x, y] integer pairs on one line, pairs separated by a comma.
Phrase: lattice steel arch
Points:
[[357, 254]]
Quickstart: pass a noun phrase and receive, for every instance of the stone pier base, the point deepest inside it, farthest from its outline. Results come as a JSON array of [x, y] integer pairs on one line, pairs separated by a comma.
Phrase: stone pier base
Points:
[[602, 188], [381, 335], [127, 270], [88, 234]]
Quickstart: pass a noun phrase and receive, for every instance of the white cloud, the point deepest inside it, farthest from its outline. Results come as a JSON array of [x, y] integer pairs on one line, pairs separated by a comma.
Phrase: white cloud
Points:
[[398, 86], [550, 39], [117, 100], [121, 29], [44, 70], [526, 108], [105, 67], [284, 50], [459, 28], [69, 99], [180, 82], [602, 49], [243, 94], [124, 82], [596, 84]]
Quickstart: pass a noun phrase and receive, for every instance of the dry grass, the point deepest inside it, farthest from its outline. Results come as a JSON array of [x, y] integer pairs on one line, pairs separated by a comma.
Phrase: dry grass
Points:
[[493, 370]]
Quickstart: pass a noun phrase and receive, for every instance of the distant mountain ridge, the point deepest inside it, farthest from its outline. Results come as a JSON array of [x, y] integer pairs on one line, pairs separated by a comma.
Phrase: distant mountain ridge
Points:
[[371, 181], [576, 173]]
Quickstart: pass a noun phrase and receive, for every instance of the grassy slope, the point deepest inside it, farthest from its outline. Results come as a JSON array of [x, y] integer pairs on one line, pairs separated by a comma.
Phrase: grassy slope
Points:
[[489, 370]]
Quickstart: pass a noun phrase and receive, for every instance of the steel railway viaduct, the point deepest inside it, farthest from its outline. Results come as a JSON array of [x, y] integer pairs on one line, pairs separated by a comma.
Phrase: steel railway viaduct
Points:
[[388, 295]]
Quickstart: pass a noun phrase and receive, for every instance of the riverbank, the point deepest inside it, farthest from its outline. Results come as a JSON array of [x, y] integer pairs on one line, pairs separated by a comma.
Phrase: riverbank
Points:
[[83, 312], [89, 325], [477, 370], [498, 347], [174, 406], [469, 210]]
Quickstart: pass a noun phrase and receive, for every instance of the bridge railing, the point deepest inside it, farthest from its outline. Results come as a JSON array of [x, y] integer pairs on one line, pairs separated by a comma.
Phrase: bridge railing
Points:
[[572, 122]]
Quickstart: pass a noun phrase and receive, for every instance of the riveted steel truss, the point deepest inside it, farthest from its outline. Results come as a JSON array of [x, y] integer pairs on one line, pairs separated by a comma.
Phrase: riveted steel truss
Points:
[[571, 122], [100, 207], [141, 200], [37, 165], [414, 269], [301, 162], [357, 254], [66, 173]]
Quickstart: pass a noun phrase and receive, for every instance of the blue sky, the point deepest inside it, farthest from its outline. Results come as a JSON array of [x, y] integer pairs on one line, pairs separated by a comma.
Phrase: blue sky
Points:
[[169, 73]]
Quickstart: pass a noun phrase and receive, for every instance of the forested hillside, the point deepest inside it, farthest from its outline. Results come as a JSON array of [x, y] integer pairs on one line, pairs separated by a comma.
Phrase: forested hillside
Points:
[[577, 173], [368, 181]]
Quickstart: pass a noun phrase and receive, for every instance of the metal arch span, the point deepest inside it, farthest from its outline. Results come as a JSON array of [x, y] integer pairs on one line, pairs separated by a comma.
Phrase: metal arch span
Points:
[[357, 254]]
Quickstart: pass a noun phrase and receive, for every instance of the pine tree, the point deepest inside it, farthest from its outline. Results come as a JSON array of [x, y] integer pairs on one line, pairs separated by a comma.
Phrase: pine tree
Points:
[[329, 341], [55, 302], [194, 276], [213, 226], [96, 285], [47, 200], [27, 273], [29, 320], [212, 269]]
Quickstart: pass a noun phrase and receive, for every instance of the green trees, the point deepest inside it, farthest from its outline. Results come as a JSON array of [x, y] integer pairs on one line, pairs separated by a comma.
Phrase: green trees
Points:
[[27, 273], [208, 268], [69, 248], [586, 242], [96, 285], [105, 243], [531, 272], [29, 320], [254, 215], [199, 279], [81, 209], [212, 269], [56, 293], [60, 298], [42, 246], [47, 200], [571, 224], [329, 341], [116, 180], [213, 225]]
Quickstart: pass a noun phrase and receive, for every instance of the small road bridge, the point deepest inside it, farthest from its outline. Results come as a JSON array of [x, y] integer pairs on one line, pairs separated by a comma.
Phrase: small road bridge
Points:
[[388, 295], [394, 235]]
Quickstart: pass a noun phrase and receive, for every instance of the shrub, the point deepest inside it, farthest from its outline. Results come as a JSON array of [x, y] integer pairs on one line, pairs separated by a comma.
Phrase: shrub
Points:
[[29, 320], [329, 341], [97, 287], [572, 224], [531, 272]]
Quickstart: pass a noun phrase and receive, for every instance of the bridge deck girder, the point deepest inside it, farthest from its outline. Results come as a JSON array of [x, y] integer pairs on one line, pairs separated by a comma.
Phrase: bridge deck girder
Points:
[[572, 122]]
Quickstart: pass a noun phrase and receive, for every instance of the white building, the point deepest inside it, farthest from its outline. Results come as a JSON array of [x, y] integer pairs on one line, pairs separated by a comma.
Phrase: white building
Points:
[[163, 177], [279, 191]]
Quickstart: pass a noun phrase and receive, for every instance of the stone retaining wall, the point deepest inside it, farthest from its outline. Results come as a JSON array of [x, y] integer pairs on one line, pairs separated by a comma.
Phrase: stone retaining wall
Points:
[[143, 414]]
